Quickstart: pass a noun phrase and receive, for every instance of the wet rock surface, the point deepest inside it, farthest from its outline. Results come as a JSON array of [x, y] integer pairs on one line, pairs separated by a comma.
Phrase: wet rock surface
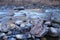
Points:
[[29, 25]]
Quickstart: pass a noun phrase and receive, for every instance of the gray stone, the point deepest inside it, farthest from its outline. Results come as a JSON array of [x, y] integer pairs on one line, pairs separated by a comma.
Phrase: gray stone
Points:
[[23, 36], [11, 39], [56, 16], [2, 35]]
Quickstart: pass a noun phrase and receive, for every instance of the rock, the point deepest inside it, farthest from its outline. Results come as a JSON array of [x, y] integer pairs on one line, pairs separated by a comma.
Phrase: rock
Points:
[[55, 25], [52, 10], [18, 22], [39, 29], [53, 31], [47, 23], [10, 32], [23, 36], [28, 25], [19, 8], [11, 39], [6, 13], [55, 16], [4, 28], [45, 16], [2, 35]]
